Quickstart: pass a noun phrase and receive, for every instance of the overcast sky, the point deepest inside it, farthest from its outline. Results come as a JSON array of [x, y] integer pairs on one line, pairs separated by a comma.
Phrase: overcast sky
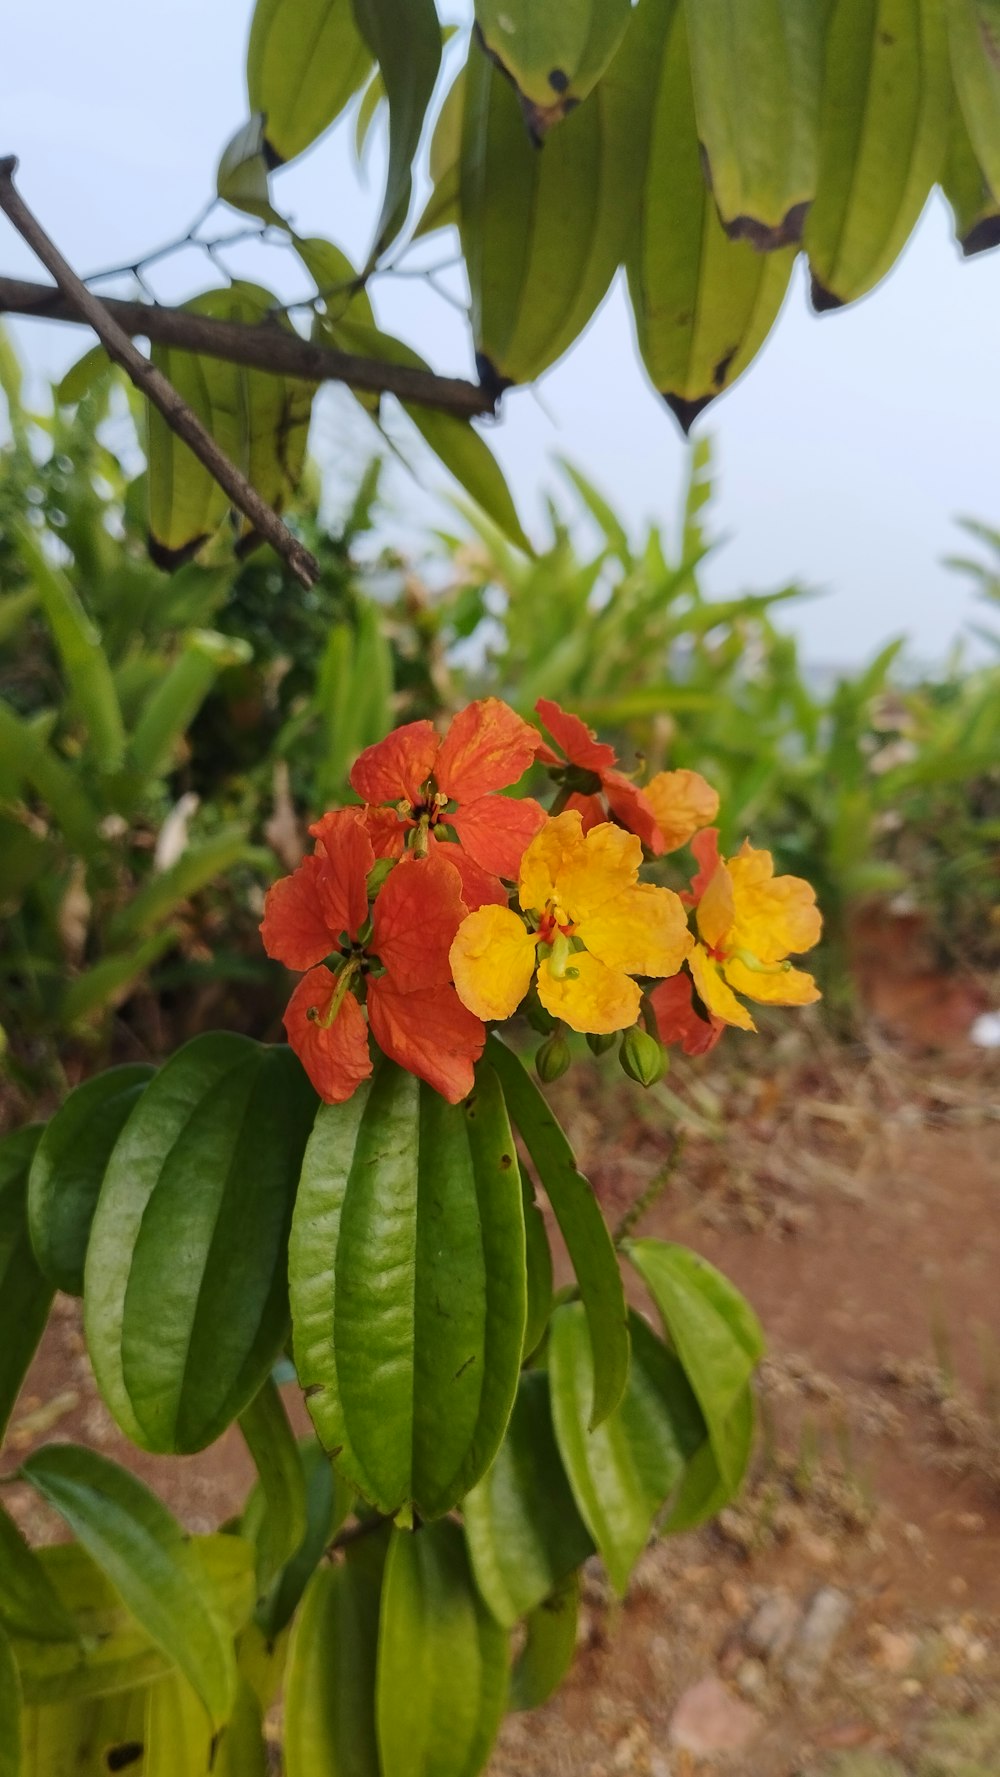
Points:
[[844, 455]]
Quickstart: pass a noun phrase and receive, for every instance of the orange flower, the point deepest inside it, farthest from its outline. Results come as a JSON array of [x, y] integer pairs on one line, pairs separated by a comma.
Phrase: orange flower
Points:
[[664, 815], [416, 781], [750, 922], [677, 1020], [394, 956]]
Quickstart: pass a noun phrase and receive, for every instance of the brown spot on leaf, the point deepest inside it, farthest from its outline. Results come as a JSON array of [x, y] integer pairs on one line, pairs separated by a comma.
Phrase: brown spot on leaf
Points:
[[769, 237], [823, 299], [118, 1758], [558, 80], [172, 559], [506, 1161], [982, 237], [685, 412], [492, 383], [721, 369]]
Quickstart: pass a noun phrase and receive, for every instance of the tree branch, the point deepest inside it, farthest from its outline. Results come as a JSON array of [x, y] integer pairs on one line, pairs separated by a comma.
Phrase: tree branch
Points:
[[178, 415]]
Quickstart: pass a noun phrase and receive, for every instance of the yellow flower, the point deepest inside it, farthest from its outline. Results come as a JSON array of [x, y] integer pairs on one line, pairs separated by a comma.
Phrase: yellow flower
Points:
[[589, 925], [749, 922], [682, 802]]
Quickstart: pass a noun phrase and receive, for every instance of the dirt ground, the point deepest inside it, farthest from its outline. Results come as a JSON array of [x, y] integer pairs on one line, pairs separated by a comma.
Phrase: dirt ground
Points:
[[844, 1617]]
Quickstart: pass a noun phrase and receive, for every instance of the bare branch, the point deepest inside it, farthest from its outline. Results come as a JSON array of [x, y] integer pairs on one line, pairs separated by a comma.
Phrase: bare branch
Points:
[[178, 415]]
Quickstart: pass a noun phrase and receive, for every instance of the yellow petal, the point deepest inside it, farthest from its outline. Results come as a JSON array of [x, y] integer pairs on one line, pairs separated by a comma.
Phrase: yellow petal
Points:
[[716, 908], [492, 960], [773, 916], [644, 931], [714, 993], [593, 875], [599, 999], [792, 987], [682, 803], [548, 855]]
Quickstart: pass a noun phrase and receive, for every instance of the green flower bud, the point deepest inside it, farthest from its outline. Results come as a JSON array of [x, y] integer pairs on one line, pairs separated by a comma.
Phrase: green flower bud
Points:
[[642, 1057], [537, 1016], [599, 1042], [553, 1058]]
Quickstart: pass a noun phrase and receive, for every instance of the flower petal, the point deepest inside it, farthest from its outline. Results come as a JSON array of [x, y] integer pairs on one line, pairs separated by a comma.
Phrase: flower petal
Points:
[[578, 742], [718, 999], [386, 831], [682, 802], [492, 960], [705, 846], [497, 830], [396, 769], [294, 928], [487, 747], [774, 916], [596, 872], [676, 1019], [716, 908], [335, 1058], [547, 857], [599, 999], [644, 931], [346, 850], [479, 888], [416, 914], [590, 809], [632, 807], [430, 1033], [792, 987]]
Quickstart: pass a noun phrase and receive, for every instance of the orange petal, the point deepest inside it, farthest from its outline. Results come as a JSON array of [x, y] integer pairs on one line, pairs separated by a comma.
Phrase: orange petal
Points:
[[386, 831], [790, 987], [774, 916], [431, 1034], [718, 999], [644, 931], [497, 830], [682, 801], [676, 1019], [479, 888], [492, 960], [632, 807], [716, 909], [487, 747], [590, 809], [596, 999], [346, 850], [294, 928], [705, 847], [336, 1059], [416, 914], [579, 743], [396, 769]]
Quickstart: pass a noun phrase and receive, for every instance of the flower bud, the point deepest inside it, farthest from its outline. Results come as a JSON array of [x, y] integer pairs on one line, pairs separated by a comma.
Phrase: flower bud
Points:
[[599, 1042], [537, 1016], [553, 1058], [642, 1057]]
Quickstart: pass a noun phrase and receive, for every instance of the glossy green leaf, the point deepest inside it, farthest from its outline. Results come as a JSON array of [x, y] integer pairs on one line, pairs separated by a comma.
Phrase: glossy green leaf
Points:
[[554, 55], [884, 121], [757, 66], [705, 1488], [29, 1603], [703, 304], [580, 1220], [149, 1561], [975, 207], [305, 61], [270, 1440], [524, 1532], [549, 1647], [407, 1280], [111, 1651], [69, 1165], [442, 1660], [328, 1502], [186, 1297], [538, 1255], [242, 178], [974, 38], [78, 641], [330, 1687], [10, 1712], [25, 1295], [623, 1473], [406, 43], [714, 1330]]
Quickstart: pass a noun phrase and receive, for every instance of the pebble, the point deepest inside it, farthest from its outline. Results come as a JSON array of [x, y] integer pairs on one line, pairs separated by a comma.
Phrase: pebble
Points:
[[894, 1650], [751, 1679], [812, 1648], [772, 1627], [708, 1719]]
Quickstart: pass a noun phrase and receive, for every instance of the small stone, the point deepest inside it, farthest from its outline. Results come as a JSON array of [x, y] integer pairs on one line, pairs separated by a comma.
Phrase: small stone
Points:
[[973, 1522], [751, 1679], [814, 1641], [911, 1687], [820, 1551], [734, 1597], [772, 1627], [629, 1746], [708, 1718], [893, 1651]]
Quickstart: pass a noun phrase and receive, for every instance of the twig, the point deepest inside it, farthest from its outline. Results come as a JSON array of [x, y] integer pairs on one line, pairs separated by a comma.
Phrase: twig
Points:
[[654, 1190], [154, 384]]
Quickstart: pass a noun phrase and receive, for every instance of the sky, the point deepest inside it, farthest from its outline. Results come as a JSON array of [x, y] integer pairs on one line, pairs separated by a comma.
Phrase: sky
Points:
[[843, 458]]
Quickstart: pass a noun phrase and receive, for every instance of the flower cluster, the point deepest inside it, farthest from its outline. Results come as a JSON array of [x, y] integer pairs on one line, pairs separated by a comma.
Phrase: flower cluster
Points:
[[439, 904]]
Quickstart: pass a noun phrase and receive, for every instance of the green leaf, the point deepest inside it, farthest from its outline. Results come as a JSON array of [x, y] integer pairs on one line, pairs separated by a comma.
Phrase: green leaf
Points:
[[269, 1438], [85, 664], [580, 1220], [25, 1295], [243, 1748], [883, 137], [26, 753], [178, 1735], [152, 1566], [549, 1647], [407, 1281], [757, 66], [974, 39], [554, 55], [29, 1603], [703, 304], [330, 1687], [975, 207], [177, 697], [110, 981], [84, 1737], [524, 1532], [185, 1287], [10, 1712], [68, 1168], [623, 1473], [161, 895], [442, 1660], [538, 1255], [242, 178], [714, 1331], [328, 1502], [705, 1488], [81, 377], [442, 207], [406, 43], [305, 61]]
